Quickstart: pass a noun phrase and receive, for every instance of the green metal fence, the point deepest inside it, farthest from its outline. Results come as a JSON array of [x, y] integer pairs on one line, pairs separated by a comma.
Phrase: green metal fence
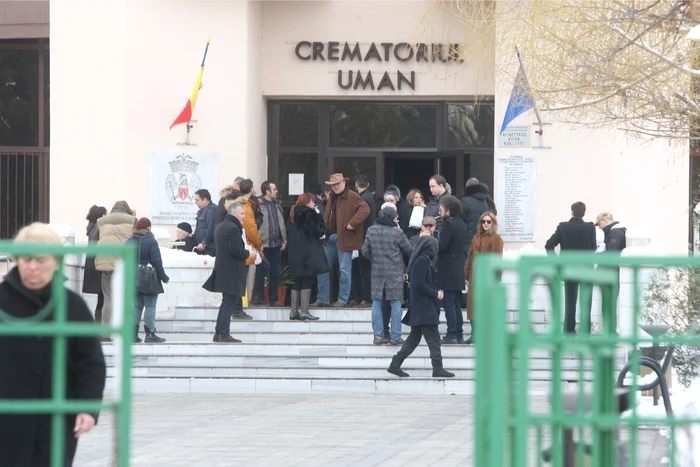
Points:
[[60, 329], [511, 427]]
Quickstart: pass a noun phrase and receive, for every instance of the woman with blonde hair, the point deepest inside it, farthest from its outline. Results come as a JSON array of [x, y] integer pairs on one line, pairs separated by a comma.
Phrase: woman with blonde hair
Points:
[[486, 240], [26, 369]]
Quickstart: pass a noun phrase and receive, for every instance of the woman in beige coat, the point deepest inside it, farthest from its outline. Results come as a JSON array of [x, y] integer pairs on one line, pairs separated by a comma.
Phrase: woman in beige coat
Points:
[[486, 240]]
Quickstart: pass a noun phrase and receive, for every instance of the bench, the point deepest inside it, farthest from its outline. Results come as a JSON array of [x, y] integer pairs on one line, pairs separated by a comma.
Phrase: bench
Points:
[[660, 381]]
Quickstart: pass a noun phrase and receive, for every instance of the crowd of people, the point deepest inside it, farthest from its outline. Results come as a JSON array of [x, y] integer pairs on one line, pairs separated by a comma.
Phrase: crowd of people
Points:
[[379, 253]]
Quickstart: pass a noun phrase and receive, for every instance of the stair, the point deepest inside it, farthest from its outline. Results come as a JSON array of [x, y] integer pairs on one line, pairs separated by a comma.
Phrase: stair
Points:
[[330, 356]]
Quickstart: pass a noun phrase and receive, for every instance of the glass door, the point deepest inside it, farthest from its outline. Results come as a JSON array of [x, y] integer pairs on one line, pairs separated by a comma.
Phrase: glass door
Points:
[[352, 164]]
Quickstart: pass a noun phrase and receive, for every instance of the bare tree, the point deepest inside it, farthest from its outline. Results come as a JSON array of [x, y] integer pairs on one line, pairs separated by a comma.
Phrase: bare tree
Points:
[[601, 63]]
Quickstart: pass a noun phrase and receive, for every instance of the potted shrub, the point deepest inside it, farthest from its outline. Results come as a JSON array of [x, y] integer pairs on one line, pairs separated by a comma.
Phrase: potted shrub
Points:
[[286, 281]]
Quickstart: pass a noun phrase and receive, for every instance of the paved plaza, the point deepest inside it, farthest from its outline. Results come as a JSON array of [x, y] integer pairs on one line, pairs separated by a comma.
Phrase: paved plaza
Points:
[[254, 430]]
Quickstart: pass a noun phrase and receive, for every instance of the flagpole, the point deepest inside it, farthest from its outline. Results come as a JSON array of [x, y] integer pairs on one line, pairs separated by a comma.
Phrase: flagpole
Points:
[[534, 107], [188, 126]]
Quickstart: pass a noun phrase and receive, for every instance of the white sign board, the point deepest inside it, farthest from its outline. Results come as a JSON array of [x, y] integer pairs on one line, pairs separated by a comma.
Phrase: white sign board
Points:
[[296, 184], [517, 197], [173, 179], [515, 137]]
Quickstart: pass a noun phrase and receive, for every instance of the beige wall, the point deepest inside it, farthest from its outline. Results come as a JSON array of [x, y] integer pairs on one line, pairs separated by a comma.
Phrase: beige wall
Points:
[[287, 23], [112, 103], [113, 99]]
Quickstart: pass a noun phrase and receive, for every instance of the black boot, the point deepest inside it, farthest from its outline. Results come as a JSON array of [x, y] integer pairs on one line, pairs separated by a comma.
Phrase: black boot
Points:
[[395, 367], [137, 339], [471, 338], [439, 371], [151, 336], [304, 314], [294, 314]]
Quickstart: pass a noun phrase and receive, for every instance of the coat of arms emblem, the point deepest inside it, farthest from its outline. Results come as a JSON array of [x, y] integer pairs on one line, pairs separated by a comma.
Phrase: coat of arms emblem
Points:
[[182, 182]]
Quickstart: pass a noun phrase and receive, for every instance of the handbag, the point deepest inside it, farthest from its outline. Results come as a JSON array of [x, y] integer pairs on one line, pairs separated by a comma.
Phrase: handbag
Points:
[[146, 278]]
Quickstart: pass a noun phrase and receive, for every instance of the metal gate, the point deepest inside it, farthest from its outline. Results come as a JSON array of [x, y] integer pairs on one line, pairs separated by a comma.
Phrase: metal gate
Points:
[[509, 432], [24, 188], [59, 330]]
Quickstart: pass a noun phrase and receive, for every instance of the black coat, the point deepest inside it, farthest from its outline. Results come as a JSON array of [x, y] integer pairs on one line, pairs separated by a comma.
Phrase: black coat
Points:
[[451, 254], [230, 272], [476, 201], [404, 211], [189, 245], [26, 369], [204, 228], [92, 280], [369, 222], [615, 237], [305, 250], [149, 253], [424, 291], [576, 235]]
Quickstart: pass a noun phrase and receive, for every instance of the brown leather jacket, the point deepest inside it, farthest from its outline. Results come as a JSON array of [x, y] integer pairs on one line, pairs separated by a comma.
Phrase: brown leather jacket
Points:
[[351, 210]]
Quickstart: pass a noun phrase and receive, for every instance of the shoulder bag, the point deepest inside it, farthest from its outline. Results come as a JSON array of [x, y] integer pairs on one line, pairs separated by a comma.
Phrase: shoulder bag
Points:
[[146, 277]]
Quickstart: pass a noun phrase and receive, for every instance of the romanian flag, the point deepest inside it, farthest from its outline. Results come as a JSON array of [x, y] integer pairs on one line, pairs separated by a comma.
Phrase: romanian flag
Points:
[[186, 114]]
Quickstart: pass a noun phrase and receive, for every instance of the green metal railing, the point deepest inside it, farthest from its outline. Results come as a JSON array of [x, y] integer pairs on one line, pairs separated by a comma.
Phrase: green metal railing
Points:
[[60, 329], [511, 429]]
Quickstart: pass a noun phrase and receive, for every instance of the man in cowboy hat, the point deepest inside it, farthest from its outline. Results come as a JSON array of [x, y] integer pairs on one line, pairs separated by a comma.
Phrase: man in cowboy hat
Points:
[[345, 215]]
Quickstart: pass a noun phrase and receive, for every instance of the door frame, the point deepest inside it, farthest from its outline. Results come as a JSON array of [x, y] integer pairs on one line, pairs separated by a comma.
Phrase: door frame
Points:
[[378, 156]]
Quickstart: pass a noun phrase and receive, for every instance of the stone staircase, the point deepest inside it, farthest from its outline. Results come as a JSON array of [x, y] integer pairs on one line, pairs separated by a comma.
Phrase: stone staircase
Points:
[[330, 356]]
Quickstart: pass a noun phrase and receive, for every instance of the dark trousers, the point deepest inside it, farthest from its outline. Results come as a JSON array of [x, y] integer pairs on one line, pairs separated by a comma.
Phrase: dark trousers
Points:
[[100, 301], [432, 338], [274, 258], [303, 283], [570, 296], [453, 314], [361, 286], [229, 305]]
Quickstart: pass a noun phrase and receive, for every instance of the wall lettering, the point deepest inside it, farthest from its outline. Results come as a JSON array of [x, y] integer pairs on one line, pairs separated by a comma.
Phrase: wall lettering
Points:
[[384, 52]]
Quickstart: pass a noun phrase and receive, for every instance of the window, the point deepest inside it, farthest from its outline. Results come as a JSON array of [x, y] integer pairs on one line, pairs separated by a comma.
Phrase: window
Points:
[[296, 163], [19, 97], [383, 125], [470, 125], [47, 113], [299, 125], [479, 166], [351, 167]]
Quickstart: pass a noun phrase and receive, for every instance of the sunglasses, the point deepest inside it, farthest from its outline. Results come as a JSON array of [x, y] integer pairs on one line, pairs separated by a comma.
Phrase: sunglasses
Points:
[[428, 225], [487, 221]]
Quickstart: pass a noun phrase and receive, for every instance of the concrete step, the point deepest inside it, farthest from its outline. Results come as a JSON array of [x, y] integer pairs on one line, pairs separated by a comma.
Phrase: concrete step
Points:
[[326, 372], [275, 385], [325, 314], [300, 362], [325, 350], [302, 338]]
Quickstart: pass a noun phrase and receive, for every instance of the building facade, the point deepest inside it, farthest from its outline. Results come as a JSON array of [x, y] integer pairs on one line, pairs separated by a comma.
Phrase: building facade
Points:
[[309, 88]]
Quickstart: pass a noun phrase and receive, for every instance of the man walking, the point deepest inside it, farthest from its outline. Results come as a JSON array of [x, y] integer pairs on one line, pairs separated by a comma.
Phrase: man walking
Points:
[[274, 237], [206, 223], [229, 274], [345, 216], [361, 267], [574, 235]]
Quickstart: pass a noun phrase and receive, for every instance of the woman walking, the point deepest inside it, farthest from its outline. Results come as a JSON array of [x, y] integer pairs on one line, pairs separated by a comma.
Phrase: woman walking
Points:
[[421, 314], [27, 294], [486, 240], [306, 257], [92, 282], [149, 254], [451, 266]]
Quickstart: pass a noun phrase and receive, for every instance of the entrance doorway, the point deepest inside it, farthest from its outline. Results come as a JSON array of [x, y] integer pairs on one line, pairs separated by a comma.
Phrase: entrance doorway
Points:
[[408, 173]]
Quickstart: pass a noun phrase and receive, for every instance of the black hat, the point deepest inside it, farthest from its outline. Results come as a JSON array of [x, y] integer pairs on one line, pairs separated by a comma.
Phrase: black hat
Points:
[[185, 226]]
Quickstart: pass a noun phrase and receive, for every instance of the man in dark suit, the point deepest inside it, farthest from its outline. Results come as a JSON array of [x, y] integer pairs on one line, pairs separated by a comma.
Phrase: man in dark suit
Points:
[[361, 267], [230, 271], [574, 235]]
